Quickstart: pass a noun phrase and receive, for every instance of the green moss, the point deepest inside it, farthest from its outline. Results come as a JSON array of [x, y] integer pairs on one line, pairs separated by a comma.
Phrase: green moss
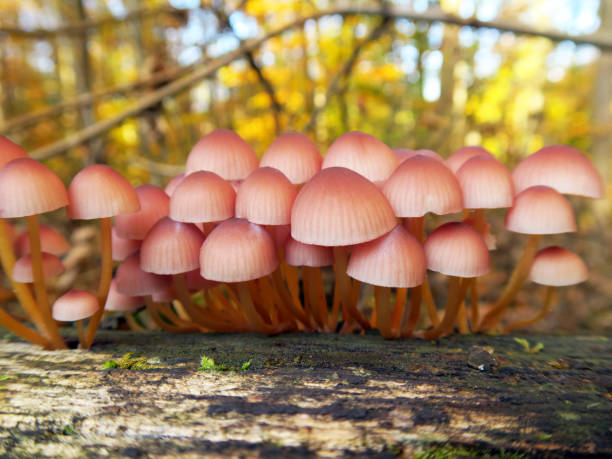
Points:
[[527, 347], [208, 364], [127, 362], [452, 451]]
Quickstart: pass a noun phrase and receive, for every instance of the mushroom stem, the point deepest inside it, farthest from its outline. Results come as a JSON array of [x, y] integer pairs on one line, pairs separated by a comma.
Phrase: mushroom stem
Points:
[[548, 304], [335, 312], [317, 279], [154, 313], [294, 308], [311, 296], [19, 329], [106, 276], [251, 313], [343, 282], [383, 310], [475, 303], [432, 310], [416, 296], [462, 322], [132, 323], [80, 330], [196, 314], [40, 288], [518, 277], [457, 290], [21, 290], [398, 311]]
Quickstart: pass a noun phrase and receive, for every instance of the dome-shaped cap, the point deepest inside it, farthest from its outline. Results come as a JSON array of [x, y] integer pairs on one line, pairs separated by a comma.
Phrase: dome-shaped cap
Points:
[[117, 301], [485, 183], [154, 205], [558, 267], [540, 210], [456, 249], [173, 183], [362, 153], [266, 197], [9, 151], [421, 185], [51, 241], [133, 281], [75, 305], [122, 247], [22, 269], [456, 160], [295, 155], [560, 167], [202, 197], [403, 154], [28, 187], [299, 254], [393, 260], [99, 191], [340, 207], [171, 248], [237, 251], [223, 152]]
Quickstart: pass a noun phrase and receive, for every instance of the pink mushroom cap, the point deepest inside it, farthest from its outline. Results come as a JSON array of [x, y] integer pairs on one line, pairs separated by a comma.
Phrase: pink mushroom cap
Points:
[[456, 249], [154, 205], [117, 301], [558, 267], [9, 151], [223, 152], [22, 270], [133, 281], [540, 210], [485, 183], [396, 259], [237, 251], [456, 160], [75, 305], [28, 188], [300, 254], [295, 155]]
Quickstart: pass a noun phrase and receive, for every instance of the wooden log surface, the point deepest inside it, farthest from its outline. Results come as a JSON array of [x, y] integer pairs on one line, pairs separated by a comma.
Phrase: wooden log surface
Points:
[[307, 395]]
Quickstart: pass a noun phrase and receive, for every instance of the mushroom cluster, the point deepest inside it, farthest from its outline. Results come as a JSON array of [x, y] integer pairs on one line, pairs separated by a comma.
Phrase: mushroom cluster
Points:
[[236, 244]]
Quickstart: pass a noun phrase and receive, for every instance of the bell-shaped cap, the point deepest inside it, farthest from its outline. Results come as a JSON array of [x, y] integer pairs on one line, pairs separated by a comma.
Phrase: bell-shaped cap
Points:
[[456, 160], [171, 248], [173, 183], [122, 247], [223, 152], [99, 191], [540, 210], [362, 153], [202, 197], [28, 188], [133, 281], [339, 207], [396, 259], [560, 167], [485, 183], [421, 185], [403, 154], [299, 254], [266, 197], [75, 305], [22, 269], [558, 267], [117, 301], [237, 251], [456, 249], [51, 241], [295, 155], [154, 205], [9, 151]]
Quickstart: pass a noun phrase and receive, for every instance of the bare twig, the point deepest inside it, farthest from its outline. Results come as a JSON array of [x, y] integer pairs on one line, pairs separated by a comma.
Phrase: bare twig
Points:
[[208, 68]]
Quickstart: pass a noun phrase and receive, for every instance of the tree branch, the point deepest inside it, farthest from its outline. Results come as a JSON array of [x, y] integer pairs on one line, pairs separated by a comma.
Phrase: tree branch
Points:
[[80, 26], [347, 68], [208, 68]]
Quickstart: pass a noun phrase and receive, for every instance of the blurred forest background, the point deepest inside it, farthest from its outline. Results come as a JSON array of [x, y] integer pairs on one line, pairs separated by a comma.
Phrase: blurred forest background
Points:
[[135, 83]]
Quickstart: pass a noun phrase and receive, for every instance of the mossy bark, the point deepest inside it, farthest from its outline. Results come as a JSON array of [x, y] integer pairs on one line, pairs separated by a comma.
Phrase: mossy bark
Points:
[[308, 394]]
